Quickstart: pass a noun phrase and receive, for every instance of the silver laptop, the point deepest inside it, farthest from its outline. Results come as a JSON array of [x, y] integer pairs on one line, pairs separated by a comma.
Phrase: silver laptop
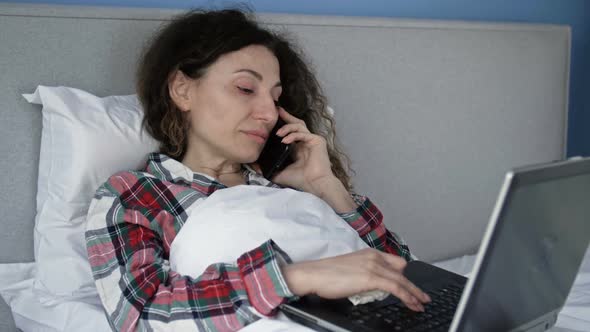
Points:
[[529, 257]]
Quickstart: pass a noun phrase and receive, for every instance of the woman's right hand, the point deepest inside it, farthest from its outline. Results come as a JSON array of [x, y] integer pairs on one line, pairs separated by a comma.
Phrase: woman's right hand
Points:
[[354, 273]]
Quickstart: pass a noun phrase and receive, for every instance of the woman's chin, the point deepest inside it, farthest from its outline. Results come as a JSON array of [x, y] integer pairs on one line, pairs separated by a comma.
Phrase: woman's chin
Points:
[[249, 158]]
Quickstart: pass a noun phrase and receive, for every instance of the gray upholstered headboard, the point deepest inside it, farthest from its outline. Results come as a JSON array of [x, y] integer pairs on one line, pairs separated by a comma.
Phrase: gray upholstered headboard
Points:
[[431, 112]]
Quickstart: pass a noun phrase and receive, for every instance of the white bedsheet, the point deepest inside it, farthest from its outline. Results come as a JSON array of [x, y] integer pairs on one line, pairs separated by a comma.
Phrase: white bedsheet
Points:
[[29, 315], [16, 287]]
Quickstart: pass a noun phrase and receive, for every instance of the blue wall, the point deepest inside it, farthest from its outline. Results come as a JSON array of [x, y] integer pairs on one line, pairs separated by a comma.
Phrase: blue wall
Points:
[[575, 13]]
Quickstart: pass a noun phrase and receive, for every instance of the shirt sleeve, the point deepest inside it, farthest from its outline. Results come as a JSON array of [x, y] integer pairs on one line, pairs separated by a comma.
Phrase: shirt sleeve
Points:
[[367, 220], [140, 292]]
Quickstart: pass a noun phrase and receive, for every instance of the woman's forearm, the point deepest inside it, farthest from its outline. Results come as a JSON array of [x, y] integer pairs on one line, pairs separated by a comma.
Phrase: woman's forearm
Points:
[[333, 192]]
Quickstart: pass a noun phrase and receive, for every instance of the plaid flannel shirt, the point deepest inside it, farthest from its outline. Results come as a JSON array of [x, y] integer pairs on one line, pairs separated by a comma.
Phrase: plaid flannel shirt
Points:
[[132, 221]]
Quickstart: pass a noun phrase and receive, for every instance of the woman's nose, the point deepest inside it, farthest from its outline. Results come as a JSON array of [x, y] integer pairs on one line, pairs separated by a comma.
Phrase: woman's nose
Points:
[[266, 109]]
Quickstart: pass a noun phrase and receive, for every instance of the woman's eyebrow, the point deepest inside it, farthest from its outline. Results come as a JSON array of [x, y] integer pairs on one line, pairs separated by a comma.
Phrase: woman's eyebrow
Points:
[[255, 74]]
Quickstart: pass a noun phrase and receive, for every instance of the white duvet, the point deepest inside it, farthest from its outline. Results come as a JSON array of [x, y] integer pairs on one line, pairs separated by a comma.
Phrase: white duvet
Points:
[[235, 220]]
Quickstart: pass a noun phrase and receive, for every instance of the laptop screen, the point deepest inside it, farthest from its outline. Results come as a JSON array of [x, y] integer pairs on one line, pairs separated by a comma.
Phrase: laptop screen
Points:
[[534, 253]]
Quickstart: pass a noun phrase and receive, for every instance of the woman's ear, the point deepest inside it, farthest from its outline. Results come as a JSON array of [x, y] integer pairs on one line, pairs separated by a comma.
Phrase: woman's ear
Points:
[[179, 87]]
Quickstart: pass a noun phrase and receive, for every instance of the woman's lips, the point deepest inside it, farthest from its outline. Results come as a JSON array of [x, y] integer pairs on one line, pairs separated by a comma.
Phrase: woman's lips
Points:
[[255, 136]]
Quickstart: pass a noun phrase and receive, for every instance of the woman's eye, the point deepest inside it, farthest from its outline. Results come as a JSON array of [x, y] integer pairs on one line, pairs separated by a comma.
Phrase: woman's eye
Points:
[[246, 90]]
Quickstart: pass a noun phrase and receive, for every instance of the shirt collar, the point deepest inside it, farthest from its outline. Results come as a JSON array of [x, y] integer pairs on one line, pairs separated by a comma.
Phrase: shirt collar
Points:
[[168, 169]]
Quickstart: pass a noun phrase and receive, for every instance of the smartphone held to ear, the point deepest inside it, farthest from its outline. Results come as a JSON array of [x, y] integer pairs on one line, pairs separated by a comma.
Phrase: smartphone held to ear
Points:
[[275, 155]]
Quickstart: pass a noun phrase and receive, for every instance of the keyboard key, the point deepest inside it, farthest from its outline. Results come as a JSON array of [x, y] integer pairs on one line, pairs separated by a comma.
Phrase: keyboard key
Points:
[[437, 316]]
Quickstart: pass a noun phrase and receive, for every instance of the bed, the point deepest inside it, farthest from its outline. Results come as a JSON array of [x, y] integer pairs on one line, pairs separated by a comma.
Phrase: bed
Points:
[[432, 113]]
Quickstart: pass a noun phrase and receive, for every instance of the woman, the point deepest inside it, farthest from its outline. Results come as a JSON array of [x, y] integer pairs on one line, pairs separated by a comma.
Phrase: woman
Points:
[[213, 85]]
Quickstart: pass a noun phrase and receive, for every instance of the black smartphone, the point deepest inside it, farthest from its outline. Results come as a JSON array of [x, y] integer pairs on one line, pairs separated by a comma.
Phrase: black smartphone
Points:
[[275, 155]]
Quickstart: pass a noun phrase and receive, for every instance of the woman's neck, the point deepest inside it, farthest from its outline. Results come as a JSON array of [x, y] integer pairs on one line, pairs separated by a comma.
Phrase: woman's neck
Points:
[[213, 166], [231, 180]]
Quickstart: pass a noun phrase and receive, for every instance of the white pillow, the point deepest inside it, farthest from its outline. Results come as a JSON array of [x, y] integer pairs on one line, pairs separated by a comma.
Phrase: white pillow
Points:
[[85, 139]]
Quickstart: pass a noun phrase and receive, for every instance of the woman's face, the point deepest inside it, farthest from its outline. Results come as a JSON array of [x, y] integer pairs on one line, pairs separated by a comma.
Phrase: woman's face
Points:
[[232, 108]]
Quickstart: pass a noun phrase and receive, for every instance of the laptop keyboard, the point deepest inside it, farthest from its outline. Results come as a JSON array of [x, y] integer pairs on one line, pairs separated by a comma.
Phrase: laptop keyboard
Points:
[[437, 316]]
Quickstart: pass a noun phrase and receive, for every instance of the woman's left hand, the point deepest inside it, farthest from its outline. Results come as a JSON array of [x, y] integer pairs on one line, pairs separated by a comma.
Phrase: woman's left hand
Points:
[[311, 162]]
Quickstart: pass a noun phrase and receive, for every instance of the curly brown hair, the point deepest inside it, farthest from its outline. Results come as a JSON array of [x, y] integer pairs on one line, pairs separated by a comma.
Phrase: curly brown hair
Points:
[[192, 41]]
